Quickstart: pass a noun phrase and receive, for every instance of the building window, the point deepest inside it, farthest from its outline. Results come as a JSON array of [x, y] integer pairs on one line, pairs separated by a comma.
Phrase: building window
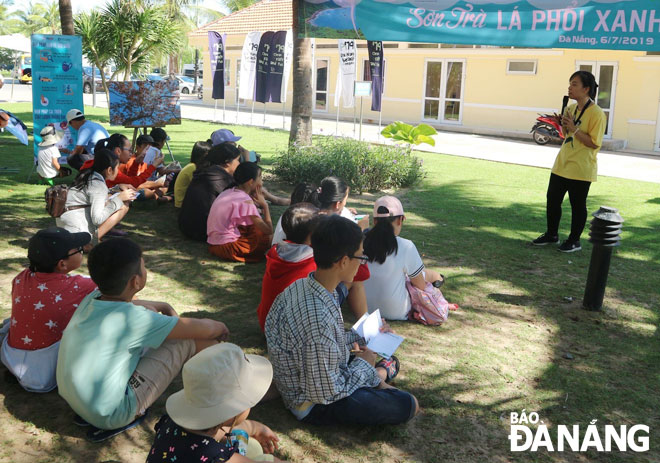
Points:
[[321, 85], [366, 72], [238, 100], [443, 92], [227, 72], [523, 67]]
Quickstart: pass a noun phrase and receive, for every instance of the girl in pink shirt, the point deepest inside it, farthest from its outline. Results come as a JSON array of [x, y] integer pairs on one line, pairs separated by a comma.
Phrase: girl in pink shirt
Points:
[[235, 229]]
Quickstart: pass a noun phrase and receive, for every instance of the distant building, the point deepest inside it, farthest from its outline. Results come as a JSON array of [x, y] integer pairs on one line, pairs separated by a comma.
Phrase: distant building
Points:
[[475, 89]]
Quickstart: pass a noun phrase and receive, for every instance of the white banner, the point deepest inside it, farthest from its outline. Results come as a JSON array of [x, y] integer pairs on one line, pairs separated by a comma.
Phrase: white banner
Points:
[[248, 65], [346, 74], [288, 57]]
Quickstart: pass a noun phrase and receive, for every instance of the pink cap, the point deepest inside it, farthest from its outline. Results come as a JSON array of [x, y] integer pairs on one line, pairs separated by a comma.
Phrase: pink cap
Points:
[[392, 204]]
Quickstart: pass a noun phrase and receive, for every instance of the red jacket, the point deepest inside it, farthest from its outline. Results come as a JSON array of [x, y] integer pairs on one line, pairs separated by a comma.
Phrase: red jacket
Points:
[[124, 176]]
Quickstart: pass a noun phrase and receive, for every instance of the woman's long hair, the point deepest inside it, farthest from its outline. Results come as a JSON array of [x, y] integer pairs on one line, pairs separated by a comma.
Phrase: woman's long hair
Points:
[[380, 240], [332, 190], [103, 159]]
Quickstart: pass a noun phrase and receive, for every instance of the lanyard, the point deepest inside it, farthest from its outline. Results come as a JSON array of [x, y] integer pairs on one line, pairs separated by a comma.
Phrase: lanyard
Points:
[[584, 108]]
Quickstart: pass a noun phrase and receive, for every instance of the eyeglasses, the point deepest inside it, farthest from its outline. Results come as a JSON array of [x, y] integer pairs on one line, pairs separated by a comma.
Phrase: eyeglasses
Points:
[[362, 259], [79, 250]]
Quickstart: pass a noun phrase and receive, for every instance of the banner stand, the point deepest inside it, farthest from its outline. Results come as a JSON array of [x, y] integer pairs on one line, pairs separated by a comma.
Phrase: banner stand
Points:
[[283, 116], [354, 120], [337, 123], [252, 115], [380, 120], [224, 109], [238, 109], [215, 108], [360, 119], [264, 123]]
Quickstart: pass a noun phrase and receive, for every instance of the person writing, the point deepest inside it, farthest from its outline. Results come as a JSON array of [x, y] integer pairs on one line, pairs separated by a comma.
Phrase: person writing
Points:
[[575, 168]]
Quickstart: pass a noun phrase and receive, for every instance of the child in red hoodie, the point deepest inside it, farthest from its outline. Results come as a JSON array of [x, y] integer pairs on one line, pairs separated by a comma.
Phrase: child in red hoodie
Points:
[[293, 259]]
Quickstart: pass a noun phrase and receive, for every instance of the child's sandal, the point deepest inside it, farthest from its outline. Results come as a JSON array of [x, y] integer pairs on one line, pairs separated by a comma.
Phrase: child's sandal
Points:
[[391, 367]]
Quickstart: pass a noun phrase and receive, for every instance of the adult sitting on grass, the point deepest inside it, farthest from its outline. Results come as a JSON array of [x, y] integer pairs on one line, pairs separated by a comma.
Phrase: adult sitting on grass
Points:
[[293, 259], [88, 208], [199, 152], [235, 230], [118, 354], [392, 259], [207, 419], [44, 297], [213, 176], [89, 133], [313, 369]]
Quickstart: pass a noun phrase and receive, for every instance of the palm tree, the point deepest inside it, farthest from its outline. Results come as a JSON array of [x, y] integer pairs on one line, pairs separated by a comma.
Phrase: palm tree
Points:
[[52, 23], [30, 20], [66, 17], [301, 107], [96, 44]]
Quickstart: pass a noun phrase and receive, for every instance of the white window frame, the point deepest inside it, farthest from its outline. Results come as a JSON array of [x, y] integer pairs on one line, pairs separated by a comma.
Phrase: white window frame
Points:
[[327, 84], [443, 90], [522, 73], [596, 65], [366, 60]]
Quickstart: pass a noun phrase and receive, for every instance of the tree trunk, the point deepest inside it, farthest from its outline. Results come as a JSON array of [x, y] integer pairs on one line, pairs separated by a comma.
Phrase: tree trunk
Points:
[[66, 17], [173, 65], [301, 107]]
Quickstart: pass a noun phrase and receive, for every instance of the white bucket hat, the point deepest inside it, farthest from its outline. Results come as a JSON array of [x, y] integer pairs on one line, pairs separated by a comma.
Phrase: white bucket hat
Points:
[[219, 383], [49, 136]]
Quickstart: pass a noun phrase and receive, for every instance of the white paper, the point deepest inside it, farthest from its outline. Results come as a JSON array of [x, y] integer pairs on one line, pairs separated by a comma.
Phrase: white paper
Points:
[[151, 154], [384, 344]]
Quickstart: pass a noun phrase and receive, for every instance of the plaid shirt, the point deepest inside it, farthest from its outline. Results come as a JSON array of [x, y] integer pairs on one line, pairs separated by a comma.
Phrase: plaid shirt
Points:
[[310, 349]]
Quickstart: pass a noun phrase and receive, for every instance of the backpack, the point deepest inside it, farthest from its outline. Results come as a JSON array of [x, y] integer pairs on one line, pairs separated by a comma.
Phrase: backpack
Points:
[[428, 306], [56, 200]]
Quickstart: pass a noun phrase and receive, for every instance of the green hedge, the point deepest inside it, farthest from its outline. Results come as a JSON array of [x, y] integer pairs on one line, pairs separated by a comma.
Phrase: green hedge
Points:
[[365, 167]]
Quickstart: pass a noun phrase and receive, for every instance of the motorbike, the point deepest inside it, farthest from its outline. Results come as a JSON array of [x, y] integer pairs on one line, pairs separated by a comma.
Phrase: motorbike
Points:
[[547, 129], [199, 93]]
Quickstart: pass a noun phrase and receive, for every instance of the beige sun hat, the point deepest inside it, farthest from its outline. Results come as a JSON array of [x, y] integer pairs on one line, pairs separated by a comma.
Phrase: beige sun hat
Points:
[[219, 383], [49, 136]]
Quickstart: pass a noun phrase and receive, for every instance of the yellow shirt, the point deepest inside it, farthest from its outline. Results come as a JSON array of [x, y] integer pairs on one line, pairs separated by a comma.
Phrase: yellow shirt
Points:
[[575, 160], [182, 181]]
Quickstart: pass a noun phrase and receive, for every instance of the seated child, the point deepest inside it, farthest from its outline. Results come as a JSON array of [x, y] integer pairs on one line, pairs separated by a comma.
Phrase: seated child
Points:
[[207, 420], [320, 382], [333, 195], [44, 297], [199, 152], [235, 230], [48, 160], [391, 260], [293, 259], [303, 193], [118, 354]]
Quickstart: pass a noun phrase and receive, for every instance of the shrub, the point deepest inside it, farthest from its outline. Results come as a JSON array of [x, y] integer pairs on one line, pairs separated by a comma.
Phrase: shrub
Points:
[[362, 165]]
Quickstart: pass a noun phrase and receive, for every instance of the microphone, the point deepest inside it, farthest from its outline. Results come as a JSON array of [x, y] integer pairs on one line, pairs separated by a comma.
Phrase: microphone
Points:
[[564, 103]]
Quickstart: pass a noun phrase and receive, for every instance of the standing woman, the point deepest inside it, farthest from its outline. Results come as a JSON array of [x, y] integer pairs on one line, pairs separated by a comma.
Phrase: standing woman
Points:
[[88, 207], [575, 167]]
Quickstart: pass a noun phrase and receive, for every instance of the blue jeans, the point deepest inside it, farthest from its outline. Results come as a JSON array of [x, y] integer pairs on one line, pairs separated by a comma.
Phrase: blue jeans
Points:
[[366, 406]]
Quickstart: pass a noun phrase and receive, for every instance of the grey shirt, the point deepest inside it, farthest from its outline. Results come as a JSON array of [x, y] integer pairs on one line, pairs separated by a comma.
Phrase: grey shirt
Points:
[[94, 195]]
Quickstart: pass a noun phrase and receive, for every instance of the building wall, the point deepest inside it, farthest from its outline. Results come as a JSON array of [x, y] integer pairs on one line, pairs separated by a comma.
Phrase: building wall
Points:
[[493, 100]]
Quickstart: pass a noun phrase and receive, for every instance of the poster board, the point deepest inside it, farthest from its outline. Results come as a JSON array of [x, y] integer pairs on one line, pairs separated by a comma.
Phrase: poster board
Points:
[[147, 103]]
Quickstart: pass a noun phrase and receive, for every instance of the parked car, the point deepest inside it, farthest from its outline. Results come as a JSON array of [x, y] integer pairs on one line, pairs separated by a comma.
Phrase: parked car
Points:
[[87, 80], [26, 76], [186, 85]]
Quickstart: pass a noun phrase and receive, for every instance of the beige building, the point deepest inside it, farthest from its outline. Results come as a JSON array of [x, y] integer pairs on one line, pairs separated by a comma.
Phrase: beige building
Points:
[[488, 90]]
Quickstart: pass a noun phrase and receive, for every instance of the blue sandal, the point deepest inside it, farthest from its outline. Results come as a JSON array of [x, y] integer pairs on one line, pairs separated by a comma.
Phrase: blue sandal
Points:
[[391, 367]]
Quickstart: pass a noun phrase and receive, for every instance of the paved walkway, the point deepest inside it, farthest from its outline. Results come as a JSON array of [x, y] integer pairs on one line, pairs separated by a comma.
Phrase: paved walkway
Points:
[[615, 164]]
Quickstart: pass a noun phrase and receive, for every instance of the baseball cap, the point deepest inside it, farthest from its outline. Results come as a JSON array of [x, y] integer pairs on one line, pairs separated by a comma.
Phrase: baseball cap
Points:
[[142, 139], [73, 114], [49, 246], [388, 206], [219, 383], [222, 136]]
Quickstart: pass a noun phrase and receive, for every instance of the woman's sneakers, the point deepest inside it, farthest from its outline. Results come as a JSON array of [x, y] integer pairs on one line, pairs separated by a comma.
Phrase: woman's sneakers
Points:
[[545, 239], [570, 246]]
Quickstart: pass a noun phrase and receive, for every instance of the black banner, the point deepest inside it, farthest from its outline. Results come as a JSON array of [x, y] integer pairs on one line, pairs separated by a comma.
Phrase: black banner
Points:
[[263, 67], [217, 52], [376, 68], [276, 67]]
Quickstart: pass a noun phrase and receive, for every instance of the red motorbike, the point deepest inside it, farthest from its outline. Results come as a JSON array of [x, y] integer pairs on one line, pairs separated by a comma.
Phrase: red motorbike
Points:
[[547, 129]]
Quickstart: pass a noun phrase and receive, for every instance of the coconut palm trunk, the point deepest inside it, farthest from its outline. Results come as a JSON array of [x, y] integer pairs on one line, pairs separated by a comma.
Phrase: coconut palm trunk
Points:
[[301, 107], [66, 17]]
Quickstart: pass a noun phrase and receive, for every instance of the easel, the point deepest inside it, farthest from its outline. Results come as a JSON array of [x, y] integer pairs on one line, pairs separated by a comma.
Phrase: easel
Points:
[[136, 133]]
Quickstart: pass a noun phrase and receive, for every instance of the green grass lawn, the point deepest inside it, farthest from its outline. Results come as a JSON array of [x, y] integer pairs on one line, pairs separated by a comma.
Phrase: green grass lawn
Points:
[[504, 351]]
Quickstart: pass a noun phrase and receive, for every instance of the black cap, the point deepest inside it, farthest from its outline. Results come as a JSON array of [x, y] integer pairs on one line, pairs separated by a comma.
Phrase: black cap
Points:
[[159, 134], [49, 246], [142, 139]]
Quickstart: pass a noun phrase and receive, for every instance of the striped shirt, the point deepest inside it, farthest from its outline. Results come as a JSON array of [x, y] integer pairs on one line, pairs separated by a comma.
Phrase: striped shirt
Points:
[[310, 349]]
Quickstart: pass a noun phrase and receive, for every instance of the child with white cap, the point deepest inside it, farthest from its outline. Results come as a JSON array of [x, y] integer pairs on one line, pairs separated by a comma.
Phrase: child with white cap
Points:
[[49, 158], [207, 421]]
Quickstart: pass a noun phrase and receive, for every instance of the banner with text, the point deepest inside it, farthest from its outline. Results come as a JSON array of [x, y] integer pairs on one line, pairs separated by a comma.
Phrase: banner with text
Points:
[[347, 71], [591, 24], [376, 70], [263, 66], [248, 65], [56, 83], [217, 55]]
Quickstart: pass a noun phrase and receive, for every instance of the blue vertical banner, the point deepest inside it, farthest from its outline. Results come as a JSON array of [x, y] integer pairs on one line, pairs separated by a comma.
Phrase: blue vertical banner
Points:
[[263, 67], [217, 54], [376, 68], [56, 83], [276, 67]]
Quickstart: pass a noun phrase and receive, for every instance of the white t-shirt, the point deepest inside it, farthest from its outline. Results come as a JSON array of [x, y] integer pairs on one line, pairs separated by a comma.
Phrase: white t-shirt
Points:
[[278, 235], [45, 161], [386, 287]]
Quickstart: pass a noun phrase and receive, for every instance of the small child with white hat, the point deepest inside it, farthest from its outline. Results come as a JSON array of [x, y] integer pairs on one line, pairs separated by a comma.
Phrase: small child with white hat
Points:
[[207, 421], [49, 157]]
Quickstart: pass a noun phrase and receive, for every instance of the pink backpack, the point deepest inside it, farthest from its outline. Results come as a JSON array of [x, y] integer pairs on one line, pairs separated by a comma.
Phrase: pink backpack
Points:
[[429, 306]]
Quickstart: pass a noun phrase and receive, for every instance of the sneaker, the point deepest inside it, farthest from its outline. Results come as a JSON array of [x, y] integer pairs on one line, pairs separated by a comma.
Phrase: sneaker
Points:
[[79, 421], [545, 239], [570, 246], [99, 435]]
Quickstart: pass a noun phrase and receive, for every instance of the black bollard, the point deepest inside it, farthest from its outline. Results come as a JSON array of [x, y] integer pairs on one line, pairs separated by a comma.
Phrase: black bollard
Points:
[[604, 234]]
